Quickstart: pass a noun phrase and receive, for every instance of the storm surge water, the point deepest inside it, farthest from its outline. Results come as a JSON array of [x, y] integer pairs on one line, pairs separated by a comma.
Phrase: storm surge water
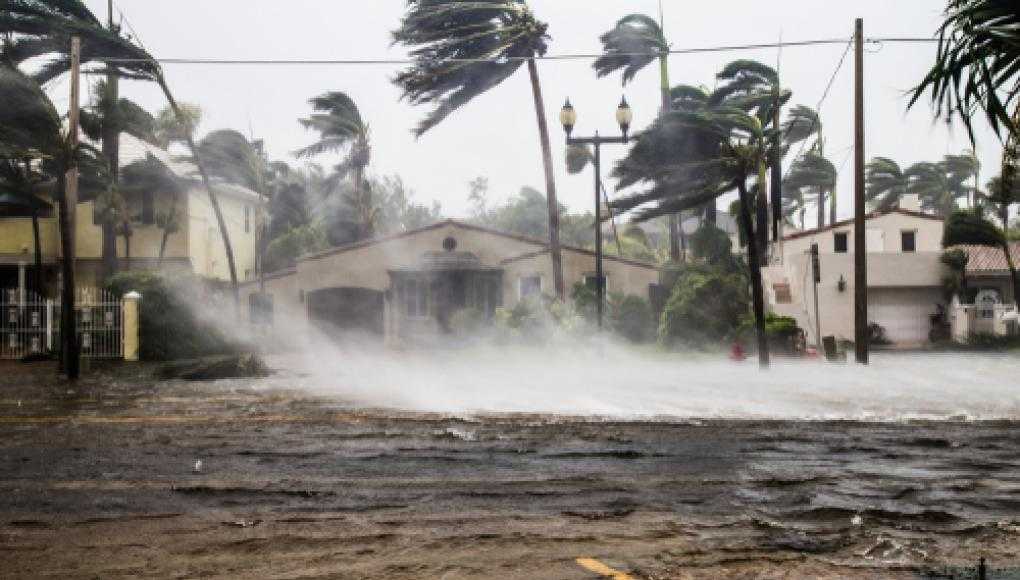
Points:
[[622, 382]]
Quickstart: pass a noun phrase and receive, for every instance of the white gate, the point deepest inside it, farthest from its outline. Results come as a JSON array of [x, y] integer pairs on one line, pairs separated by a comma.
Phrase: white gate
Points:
[[30, 324]]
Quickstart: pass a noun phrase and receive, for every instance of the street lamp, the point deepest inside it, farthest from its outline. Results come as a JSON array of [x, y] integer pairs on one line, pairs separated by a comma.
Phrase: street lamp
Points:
[[568, 118]]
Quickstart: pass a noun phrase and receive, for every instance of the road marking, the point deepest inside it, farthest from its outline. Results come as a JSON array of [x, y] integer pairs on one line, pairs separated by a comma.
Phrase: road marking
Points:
[[593, 565]]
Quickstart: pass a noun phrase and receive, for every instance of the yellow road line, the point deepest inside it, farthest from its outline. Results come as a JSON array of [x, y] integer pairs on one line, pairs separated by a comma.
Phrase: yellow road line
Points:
[[593, 565]]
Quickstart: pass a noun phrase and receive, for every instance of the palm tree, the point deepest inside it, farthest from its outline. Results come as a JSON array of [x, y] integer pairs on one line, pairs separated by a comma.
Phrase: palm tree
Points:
[[19, 195], [961, 169], [885, 183], [754, 87], [1002, 198], [30, 127], [811, 171], [977, 64], [930, 182], [40, 28], [341, 128], [741, 151], [634, 42], [104, 121], [461, 50], [801, 124]]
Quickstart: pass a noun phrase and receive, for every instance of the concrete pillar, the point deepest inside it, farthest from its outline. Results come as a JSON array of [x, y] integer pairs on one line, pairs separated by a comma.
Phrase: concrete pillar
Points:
[[129, 325]]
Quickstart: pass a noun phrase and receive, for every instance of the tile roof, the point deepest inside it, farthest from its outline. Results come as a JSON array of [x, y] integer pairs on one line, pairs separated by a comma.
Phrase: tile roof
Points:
[[988, 260]]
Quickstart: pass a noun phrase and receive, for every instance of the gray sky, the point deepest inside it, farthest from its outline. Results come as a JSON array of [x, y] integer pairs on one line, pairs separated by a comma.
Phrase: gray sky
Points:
[[496, 136]]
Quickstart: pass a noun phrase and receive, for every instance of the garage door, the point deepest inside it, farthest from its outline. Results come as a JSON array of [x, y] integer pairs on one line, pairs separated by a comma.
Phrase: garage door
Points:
[[343, 310], [904, 312]]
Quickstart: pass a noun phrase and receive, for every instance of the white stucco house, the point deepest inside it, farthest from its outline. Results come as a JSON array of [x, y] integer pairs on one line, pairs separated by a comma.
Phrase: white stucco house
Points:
[[905, 276], [409, 287]]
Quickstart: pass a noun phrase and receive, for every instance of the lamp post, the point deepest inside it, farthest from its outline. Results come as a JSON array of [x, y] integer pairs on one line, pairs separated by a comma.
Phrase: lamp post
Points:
[[568, 118]]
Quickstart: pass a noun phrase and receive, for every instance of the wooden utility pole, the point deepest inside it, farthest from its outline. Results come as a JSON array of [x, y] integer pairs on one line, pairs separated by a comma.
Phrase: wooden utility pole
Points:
[[860, 242], [112, 125], [68, 207]]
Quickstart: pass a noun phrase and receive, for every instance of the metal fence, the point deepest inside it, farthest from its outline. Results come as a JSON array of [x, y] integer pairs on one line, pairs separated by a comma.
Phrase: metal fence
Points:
[[30, 324]]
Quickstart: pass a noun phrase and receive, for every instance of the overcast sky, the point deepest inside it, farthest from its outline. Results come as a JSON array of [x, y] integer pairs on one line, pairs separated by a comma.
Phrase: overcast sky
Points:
[[496, 136]]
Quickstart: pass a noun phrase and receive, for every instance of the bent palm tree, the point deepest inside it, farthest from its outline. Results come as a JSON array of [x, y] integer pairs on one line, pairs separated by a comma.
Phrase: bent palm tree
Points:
[[463, 49], [341, 128], [811, 171], [40, 28], [634, 42], [930, 182], [885, 183], [740, 151], [105, 121]]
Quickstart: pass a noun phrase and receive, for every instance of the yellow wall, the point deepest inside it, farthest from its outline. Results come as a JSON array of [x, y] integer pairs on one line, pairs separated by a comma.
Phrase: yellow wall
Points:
[[205, 243]]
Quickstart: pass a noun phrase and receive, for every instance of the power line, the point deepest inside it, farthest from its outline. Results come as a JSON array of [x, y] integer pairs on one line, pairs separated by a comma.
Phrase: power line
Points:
[[821, 101], [549, 57]]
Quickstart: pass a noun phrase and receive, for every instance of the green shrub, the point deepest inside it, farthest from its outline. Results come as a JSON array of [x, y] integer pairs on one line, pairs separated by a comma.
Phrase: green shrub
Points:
[[169, 328], [631, 317], [628, 315], [705, 308]]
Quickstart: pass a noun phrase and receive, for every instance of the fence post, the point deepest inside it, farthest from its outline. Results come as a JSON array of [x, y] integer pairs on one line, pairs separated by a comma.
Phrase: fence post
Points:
[[129, 325], [49, 325]]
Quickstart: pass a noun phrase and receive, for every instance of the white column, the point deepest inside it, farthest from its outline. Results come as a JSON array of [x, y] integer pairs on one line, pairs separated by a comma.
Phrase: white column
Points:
[[21, 283]]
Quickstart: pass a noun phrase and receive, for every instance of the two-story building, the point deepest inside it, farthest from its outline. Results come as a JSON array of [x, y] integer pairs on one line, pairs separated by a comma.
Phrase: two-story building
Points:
[[195, 246], [905, 276]]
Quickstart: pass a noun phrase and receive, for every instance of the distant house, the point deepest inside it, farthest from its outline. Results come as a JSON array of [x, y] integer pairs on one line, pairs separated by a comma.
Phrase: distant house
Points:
[[196, 247], [989, 307], [905, 276], [410, 286]]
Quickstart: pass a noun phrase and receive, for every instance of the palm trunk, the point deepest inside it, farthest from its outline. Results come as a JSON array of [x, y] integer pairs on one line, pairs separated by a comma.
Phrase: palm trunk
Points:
[[111, 151], [753, 261], [762, 221], [832, 205], [37, 242], [213, 199], [550, 182], [1012, 271], [68, 334], [677, 244], [821, 208], [1004, 216], [162, 247]]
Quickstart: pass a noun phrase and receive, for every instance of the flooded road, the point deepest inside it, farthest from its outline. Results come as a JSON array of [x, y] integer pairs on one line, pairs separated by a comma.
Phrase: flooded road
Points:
[[124, 477]]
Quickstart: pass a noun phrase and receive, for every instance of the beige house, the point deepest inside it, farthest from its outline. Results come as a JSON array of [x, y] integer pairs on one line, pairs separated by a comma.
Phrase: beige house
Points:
[[196, 246], [905, 276], [990, 307], [414, 283]]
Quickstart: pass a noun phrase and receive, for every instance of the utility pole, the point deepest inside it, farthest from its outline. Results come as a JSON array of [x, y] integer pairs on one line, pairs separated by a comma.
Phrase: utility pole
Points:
[[816, 277], [111, 150], [860, 245], [68, 207]]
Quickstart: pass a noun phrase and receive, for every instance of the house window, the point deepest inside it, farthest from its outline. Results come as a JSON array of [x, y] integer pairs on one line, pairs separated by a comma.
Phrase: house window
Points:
[[247, 219], [530, 286], [908, 241], [782, 293], [416, 298], [840, 242]]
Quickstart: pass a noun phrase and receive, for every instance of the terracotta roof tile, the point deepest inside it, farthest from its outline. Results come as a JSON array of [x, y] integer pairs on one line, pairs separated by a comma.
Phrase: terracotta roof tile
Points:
[[988, 260]]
